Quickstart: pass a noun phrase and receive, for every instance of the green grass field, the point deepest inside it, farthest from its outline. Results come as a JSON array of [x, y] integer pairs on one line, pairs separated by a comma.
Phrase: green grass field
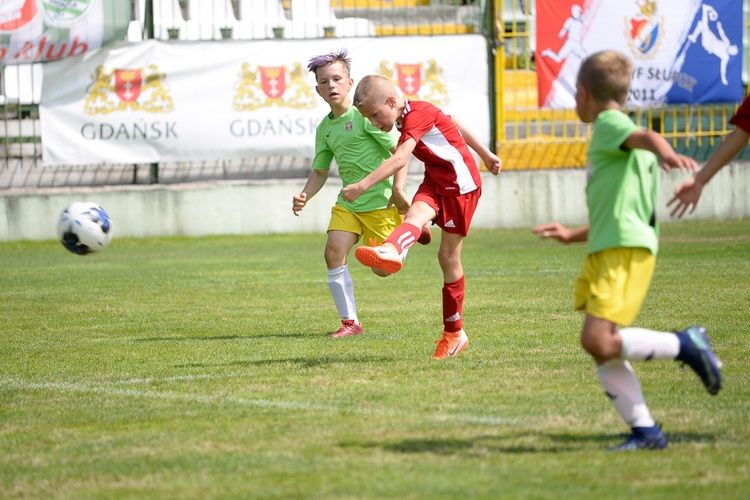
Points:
[[180, 367]]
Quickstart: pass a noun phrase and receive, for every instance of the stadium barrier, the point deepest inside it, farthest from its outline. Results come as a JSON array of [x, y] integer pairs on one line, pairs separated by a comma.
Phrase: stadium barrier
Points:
[[526, 136]]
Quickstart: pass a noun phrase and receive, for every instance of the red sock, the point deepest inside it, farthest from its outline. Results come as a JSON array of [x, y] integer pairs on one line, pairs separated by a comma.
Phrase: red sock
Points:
[[453, 304], [404, 236]]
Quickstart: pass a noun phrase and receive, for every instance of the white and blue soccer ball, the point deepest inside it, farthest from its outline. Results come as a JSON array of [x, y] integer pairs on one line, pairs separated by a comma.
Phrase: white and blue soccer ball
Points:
[[84, 227]]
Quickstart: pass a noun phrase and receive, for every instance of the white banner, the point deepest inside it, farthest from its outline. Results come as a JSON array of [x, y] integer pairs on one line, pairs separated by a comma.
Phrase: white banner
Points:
[[157, 101], [48, 30]]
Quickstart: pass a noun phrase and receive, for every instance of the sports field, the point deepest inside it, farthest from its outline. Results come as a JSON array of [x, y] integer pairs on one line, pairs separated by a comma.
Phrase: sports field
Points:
[[178, 367]]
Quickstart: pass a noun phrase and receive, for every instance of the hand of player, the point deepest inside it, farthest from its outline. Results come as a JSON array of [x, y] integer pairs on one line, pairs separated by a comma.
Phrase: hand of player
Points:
[[352, 191], [686, 196], [399, 200], [553, 230], [493, 163], [298, 203], [679, 161]]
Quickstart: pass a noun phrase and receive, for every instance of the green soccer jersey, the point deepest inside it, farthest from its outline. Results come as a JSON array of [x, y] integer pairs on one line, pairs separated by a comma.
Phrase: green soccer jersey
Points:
[[359, 148], [622, 187]]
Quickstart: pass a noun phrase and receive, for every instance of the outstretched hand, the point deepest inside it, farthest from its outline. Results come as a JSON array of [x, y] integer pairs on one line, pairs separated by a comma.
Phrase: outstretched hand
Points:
[[686, 196], [679, 161], [553, 230]]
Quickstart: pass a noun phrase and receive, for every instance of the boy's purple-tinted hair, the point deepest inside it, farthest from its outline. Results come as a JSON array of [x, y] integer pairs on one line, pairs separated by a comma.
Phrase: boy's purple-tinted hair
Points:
[[341, 56]]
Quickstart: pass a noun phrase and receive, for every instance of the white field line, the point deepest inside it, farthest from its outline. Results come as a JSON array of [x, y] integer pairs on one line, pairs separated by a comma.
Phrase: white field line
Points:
[[108, 389]]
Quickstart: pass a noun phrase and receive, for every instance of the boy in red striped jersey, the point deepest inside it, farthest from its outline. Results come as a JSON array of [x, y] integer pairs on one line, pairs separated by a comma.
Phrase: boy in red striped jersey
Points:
[[448, 194]]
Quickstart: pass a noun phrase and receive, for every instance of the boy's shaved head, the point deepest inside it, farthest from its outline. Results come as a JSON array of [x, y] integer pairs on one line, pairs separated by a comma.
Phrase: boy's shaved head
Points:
[[372, 85], [606, 75]]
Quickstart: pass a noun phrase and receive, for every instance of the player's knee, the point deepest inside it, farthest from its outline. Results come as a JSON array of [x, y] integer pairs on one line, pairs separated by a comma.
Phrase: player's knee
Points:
[[601, 349]]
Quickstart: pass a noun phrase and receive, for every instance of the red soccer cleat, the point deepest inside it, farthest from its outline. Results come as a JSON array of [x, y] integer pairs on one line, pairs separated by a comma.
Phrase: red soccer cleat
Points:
[[348, 328]]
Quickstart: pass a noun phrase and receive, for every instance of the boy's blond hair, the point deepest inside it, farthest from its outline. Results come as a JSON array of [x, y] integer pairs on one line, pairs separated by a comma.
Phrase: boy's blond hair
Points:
[[606, 75], [369, 85]]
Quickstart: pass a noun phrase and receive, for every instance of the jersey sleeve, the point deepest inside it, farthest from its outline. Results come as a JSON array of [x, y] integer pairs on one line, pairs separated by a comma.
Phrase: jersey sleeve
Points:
[[614, 130], [323, 153], [386, 140], [416, 124], [741, 118]]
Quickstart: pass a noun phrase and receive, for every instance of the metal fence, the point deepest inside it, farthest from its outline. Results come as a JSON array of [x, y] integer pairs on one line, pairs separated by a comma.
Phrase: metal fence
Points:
[[526, 136]]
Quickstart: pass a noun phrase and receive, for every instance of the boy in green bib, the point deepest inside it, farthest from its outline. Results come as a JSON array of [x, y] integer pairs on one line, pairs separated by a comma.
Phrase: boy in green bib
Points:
[[358, 148], [621, 194]]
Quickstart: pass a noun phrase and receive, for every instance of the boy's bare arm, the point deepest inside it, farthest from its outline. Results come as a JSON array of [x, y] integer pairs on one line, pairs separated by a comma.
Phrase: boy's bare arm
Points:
[[688, 192], [493, 163], [728, 149], [557, 231], [398, 197], [315, 181], [398, 161], [651, 141]]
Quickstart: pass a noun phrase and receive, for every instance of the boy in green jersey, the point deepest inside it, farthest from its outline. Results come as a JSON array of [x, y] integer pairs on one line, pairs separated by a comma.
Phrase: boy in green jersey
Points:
[[622, 234], [359, 148]]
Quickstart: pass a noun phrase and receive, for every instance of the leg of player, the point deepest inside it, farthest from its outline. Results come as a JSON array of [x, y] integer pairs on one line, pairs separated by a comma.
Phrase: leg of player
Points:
[[390, 255], [601, 339], [454, 338], [690, 346], [340, 282]]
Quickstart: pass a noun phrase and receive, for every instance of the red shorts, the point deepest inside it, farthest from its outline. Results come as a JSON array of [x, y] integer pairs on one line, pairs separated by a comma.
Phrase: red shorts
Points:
[[454, 213]]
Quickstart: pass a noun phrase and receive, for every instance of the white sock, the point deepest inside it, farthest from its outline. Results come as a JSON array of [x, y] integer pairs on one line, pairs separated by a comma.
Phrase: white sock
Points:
[[640, 344], [342, 290], [624, 390]]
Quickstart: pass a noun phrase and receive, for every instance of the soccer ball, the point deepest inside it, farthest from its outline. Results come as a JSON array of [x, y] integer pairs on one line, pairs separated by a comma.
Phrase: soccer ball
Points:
[[84, 227]]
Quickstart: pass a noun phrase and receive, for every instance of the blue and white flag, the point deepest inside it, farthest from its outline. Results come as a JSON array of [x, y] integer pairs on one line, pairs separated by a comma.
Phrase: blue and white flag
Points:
[[683, 51]]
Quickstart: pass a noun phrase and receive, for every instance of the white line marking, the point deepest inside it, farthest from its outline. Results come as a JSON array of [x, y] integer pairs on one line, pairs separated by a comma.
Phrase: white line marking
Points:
[[108, 390]]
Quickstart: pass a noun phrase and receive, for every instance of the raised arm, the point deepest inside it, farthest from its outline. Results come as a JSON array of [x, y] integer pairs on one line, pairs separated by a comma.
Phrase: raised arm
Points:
[[389, 167], [558, 232], [651, 141]]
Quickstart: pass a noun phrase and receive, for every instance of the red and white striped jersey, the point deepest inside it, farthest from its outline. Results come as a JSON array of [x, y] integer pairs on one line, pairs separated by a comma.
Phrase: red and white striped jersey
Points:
[[447, 159]]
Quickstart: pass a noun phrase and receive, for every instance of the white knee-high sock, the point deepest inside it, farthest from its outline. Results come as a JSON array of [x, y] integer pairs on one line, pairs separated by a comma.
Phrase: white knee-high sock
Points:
[[624, 390], [342, 290], [640, 344]]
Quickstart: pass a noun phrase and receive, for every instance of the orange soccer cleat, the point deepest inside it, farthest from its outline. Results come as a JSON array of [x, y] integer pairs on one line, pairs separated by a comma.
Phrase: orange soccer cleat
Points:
[[450, 344]]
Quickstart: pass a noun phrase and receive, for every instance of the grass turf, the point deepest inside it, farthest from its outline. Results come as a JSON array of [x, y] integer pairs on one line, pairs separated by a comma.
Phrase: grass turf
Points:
[[200, 368]]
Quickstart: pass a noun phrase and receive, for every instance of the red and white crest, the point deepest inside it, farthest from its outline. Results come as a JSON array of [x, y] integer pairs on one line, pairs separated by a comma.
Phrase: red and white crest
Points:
[[128, 84], [273, 81], [409, 77]]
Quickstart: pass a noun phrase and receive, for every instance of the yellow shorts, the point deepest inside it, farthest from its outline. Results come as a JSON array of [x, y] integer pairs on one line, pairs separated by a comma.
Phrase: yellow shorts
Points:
[[614, 282], [374, 227]]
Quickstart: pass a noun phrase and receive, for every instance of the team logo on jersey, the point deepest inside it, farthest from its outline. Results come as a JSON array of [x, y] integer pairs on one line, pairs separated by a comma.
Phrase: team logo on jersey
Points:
[[422, 80], [644, 30], [15, 14], [265, 86], [65, 12], [120, 89]]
